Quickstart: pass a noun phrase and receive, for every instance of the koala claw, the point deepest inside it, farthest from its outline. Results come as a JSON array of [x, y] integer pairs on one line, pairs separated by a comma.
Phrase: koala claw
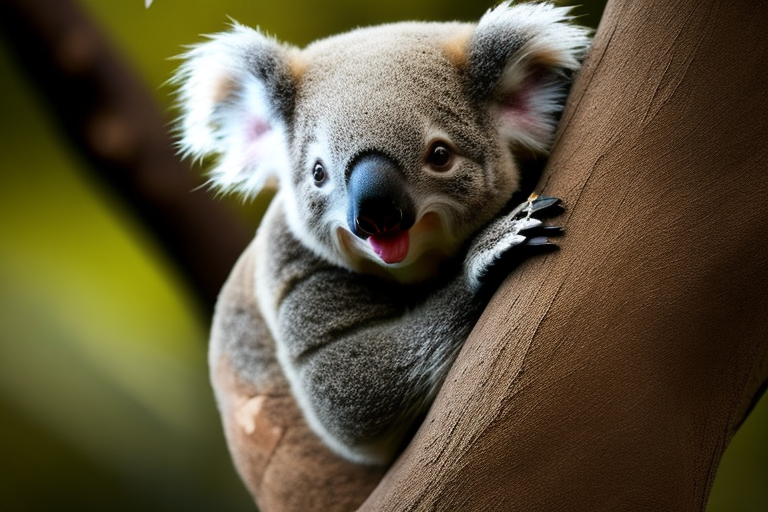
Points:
[[535, 203], [540, 232], [518, 228]]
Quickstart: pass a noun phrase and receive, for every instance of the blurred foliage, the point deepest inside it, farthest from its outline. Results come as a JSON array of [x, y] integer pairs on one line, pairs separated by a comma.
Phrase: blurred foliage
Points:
[[104, 400]]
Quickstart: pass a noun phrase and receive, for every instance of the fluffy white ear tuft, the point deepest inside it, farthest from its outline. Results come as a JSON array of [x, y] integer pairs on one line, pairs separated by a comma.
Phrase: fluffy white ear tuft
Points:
[[236, 97], [521, 58]]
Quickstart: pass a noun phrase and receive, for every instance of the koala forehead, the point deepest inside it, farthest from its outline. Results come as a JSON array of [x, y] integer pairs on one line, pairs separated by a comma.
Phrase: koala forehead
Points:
[[393, 84]]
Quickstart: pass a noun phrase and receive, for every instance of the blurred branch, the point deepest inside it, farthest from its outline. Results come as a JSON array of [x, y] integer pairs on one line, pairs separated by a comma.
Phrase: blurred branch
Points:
[[104, 111]]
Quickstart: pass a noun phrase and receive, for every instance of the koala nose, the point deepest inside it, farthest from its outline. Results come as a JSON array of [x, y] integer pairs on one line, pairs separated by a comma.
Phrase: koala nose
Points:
[[379, 199]]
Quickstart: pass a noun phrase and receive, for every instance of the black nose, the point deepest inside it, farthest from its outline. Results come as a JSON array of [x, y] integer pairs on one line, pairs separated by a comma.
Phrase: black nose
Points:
[[379, 201]]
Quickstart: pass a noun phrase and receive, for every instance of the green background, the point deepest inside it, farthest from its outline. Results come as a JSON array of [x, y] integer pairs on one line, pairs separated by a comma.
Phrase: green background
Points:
[[104, 395]]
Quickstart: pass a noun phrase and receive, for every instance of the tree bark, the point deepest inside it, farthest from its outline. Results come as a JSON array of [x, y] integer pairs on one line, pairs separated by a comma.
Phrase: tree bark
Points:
[[612, 374], [110, 118]]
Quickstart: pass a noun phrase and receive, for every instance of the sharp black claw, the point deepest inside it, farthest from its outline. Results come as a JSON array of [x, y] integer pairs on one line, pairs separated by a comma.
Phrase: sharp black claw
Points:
[[542, 203], [545, 231], [539, 241], [536, 204]]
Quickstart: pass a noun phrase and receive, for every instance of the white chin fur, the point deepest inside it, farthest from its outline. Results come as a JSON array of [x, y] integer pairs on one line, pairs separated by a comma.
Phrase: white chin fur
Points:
[[429, 245]]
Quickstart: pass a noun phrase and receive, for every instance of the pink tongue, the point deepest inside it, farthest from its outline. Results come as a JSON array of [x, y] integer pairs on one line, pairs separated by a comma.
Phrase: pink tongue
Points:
[[391, 247]]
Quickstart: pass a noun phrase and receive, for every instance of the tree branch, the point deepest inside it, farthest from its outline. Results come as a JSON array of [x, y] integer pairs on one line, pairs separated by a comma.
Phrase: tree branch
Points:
[[104, 111]]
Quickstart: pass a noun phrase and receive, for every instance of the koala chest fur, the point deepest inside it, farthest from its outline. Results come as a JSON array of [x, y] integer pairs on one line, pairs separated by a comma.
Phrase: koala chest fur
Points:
[[394, 149]]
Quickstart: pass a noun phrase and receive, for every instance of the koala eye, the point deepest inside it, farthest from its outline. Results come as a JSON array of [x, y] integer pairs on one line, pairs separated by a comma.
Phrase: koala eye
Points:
[[440, 156], [318, 173]]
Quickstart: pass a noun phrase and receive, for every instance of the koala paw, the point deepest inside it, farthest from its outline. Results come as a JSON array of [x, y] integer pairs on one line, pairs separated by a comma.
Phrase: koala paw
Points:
[[519, 228]]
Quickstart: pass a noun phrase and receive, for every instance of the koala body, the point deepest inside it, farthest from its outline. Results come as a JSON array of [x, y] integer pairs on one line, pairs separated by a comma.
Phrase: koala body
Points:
[[394, 151]]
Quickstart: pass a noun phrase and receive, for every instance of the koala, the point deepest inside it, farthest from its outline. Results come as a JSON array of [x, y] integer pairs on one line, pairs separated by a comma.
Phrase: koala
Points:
[[395, 152]]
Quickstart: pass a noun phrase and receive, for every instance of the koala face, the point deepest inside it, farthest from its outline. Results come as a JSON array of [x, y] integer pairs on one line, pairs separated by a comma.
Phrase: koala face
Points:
[[391, 144], [394, 169]]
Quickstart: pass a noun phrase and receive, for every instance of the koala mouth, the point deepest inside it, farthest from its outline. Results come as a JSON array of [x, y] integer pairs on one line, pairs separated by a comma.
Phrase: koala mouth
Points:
[[391, 246], [407, 255]]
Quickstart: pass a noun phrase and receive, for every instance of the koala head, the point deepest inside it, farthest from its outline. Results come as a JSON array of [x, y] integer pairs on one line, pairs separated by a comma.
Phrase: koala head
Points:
[[390, 145]]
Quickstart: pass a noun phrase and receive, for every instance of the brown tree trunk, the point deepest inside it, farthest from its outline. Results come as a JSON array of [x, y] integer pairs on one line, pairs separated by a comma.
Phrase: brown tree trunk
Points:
[[612, 374]]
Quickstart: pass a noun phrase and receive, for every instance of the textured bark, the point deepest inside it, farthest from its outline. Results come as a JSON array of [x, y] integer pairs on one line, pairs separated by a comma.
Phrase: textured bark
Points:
[[108, 115], [612, 374]]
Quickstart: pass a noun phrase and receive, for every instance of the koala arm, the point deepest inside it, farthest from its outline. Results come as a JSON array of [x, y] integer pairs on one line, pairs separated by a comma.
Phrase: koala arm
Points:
[[366, 356]]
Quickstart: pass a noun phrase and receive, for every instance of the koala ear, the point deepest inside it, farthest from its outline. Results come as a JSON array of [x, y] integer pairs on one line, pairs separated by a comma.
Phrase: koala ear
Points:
[[520, 60], [236, 94]]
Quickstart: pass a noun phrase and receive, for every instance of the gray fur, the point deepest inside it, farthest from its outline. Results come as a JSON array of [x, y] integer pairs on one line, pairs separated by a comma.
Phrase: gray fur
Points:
[[365, 343]]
